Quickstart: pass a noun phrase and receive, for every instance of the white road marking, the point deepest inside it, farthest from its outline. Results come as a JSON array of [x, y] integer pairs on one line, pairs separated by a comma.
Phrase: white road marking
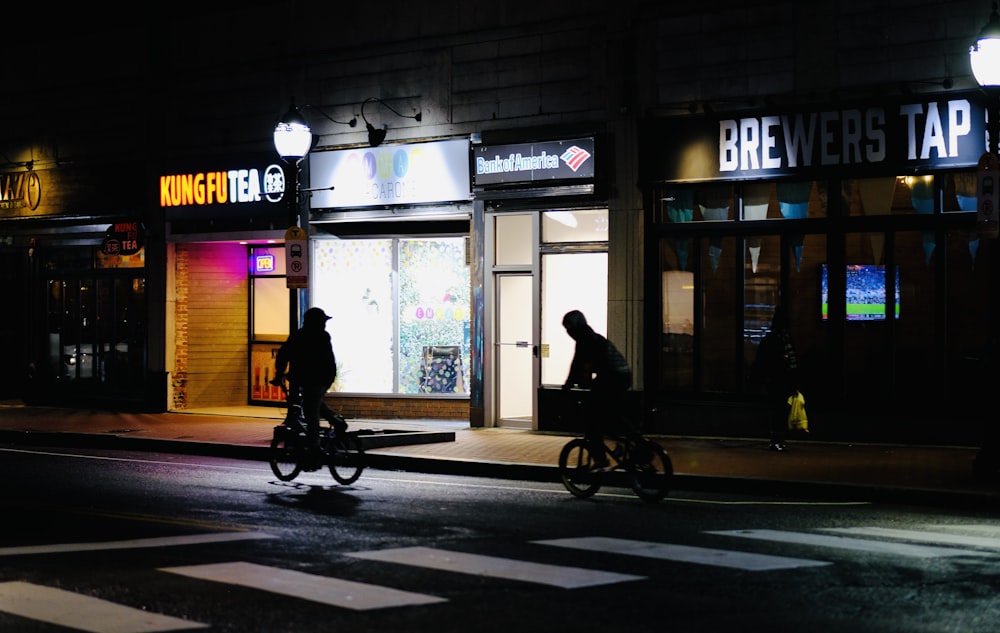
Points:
[[841, 542], [83, 613], [558, 576], [685, 553], [323, 589], [167, 541], [923, 537]]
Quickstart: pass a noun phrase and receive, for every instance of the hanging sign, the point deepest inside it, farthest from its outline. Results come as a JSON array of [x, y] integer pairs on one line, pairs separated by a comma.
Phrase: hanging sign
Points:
[[987, 198], [124, 238], [296, 258]]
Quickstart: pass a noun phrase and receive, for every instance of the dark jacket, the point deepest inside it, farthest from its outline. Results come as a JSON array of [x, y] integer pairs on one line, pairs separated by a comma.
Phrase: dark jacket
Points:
[[597, 364], [777, 363], [308, 357]]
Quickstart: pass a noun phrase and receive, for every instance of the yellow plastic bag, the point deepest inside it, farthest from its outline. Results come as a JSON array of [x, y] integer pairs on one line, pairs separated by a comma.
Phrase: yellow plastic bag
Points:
[[797, 420]]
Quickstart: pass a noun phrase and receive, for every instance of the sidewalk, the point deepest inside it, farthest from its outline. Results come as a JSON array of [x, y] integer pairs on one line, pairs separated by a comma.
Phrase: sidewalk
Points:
[[888, 473]]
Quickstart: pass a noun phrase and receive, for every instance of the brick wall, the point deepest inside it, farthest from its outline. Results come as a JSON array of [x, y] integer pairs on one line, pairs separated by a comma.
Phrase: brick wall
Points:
[[212, 325], [402, 408]]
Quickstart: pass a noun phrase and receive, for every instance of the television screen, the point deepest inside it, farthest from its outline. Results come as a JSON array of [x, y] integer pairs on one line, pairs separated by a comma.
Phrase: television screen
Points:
[[865, 292]]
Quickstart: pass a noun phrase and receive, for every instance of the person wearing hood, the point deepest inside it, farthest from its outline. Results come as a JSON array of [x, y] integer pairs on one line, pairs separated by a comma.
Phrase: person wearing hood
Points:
[[598, 366], [307, 360]]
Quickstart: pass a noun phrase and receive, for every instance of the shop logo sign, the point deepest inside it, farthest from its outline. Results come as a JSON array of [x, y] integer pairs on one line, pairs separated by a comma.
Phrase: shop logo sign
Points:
[[20, 190], [574, 157]]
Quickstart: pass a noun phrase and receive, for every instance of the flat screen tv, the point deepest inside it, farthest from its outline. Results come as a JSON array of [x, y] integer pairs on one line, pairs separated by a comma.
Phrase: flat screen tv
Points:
[[865, 292]]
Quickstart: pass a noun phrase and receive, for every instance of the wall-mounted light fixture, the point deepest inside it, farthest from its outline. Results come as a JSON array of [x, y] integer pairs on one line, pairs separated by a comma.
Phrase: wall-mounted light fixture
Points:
[[376, 136], [27, 164]]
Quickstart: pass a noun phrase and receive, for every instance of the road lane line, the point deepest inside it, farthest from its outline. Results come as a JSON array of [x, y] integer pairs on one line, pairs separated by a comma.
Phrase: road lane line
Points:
[[922, 536], [494, 567], [323, 589], [166, 541], [685, 553], [841, 542], [84, 613]]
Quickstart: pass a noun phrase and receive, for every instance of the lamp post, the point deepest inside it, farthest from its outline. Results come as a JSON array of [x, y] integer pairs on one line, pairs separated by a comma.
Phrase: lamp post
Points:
[[293, 140], [984, 57]]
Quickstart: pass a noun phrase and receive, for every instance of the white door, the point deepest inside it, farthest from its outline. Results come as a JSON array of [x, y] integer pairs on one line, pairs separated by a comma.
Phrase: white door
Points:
[[515, 350]]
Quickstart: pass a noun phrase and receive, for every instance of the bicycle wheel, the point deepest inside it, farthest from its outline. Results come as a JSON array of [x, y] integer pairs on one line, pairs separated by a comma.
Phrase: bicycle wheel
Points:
[[346, 457], [650, 470], [284, 455], [576, 469]]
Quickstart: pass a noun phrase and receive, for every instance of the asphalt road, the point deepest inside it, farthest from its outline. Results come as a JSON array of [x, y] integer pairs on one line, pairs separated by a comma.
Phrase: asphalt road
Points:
[[183, 542]]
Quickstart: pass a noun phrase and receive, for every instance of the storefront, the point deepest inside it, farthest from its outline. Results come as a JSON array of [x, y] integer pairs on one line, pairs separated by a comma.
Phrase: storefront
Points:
[[545, 228], [75, 329], [391, 262], [227, 303], [862, 220]]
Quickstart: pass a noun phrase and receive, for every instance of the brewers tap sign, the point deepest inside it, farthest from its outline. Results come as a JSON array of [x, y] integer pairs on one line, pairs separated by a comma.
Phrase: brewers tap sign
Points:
[[987, 195], [296, 258]]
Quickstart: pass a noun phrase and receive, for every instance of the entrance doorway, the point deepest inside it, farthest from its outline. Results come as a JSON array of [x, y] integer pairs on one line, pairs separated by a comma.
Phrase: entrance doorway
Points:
[[544, 263], [515, 350]]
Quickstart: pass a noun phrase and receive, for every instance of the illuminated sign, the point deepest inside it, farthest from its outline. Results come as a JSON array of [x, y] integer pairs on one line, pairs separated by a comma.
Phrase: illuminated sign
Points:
[[532, 162], [413, 173], [21, 189], [942, 131], [263, 264], [222, 187], [246, 186], [124, 238]]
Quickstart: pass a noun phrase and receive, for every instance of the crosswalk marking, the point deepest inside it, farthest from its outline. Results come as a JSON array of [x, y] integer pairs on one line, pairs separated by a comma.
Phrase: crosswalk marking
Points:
[[83, 613], [558, 576], [168, 541], [923, 536], [323, 589], [841, 542], [685, 553]]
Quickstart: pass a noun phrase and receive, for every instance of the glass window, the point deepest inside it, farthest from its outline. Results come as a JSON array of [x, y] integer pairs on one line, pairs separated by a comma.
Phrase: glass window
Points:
[[795, 200], [514, 244], [562, 275], [575, 226], [354, 281], [720, 319], [960, 192], [677, 332], [434, 301], [890, 195]]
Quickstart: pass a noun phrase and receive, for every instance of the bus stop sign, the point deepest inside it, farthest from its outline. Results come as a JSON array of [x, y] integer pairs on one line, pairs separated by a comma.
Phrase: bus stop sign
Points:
[[296, 258]]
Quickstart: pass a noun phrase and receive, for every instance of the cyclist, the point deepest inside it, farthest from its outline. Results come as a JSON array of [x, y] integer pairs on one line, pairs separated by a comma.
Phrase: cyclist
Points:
[[598, 366], [308, 360]]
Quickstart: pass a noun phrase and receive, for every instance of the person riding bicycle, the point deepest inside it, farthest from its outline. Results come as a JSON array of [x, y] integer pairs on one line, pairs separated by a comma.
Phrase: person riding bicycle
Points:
[[307, 360], [598, 366]]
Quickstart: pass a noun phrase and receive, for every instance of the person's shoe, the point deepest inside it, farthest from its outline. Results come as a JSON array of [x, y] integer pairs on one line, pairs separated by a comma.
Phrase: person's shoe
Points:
[[602, 468], [777, 446]]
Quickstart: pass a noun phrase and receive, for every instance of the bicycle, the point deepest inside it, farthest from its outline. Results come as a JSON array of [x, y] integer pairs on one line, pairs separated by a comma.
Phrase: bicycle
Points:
[[644, 462], [343, 454]]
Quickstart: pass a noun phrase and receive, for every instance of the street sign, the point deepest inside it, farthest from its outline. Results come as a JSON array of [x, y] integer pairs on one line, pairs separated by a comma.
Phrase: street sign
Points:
[[296, 258], [987, 196]]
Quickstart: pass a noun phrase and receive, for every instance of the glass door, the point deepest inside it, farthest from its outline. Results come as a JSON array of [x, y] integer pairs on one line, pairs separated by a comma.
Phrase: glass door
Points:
[[515, 350]]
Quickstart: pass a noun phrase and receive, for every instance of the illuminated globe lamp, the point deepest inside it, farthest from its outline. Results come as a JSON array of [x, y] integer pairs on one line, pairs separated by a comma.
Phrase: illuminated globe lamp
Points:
[[292, 136], [984, 57]]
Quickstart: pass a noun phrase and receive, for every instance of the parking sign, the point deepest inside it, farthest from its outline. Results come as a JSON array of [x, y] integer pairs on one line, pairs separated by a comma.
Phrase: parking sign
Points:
[[296, 258]]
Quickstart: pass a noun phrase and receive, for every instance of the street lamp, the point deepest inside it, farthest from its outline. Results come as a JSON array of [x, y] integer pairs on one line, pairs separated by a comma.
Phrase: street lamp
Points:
[[984, 57], [293, 140]]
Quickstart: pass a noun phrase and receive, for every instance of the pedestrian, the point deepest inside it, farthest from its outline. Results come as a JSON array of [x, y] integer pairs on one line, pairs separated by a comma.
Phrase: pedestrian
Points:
[[777, 365], [306, 358], [598, 366]]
